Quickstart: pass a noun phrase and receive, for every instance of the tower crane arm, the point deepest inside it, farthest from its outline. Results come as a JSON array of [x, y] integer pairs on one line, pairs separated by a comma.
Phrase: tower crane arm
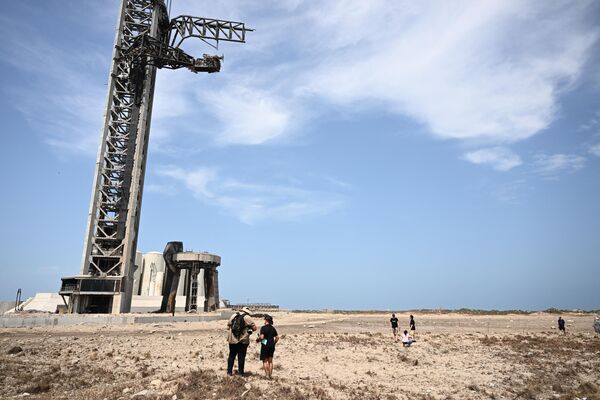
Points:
[[146, 50], [210, 31]]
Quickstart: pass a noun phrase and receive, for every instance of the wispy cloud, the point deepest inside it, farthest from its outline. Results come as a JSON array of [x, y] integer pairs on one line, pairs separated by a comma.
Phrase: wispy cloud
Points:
[[499, 158], [490, 71], [247, 116], [251, 202], [550, 166], [595, 150]]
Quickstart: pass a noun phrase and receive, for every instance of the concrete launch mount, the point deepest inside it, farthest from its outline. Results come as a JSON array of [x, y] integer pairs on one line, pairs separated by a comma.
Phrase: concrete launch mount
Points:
[[146, 39]]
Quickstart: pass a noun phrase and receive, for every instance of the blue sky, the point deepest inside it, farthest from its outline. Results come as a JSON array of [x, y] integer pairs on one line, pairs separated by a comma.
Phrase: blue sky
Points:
[[351, 154]]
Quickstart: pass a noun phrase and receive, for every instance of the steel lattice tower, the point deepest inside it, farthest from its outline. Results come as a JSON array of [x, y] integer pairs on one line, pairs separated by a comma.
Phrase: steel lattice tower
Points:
[[145, 40]]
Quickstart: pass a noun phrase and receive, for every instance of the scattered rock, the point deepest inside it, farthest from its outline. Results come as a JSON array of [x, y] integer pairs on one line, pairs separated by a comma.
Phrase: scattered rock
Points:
[[15, 350], [248, 386], [141, 394], [156, 382], [127, 390]]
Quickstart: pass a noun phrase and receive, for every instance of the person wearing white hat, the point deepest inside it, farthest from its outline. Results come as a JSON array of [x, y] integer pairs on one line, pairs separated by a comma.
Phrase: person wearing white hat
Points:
[[240, 327]]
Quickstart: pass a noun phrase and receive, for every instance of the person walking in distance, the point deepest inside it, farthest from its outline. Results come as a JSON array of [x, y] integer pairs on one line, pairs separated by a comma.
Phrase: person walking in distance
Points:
[[394, 322], [561, 325], [240, 327], [411, 323], [268, 338]]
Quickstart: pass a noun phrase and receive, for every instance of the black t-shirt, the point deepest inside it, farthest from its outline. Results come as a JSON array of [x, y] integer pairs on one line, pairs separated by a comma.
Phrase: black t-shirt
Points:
[[269, 333], [412, 324], [394, 322]]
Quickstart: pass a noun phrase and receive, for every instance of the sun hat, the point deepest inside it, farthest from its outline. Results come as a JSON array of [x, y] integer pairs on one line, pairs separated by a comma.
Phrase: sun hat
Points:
[[246, 310]]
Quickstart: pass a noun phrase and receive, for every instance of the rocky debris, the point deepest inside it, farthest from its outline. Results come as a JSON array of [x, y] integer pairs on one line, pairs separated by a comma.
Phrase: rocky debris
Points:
[[156, 382], [142, 394], [15, 350]]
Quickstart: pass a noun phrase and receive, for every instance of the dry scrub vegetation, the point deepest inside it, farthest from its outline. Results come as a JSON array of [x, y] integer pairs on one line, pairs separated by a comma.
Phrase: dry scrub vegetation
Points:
[[325, 356]]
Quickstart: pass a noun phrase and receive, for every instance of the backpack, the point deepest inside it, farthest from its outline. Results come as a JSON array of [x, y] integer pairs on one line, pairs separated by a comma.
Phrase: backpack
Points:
[[237, 325]]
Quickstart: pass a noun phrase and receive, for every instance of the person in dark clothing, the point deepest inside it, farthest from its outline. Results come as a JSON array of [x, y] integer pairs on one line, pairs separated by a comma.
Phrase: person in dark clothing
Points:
[[561, 325], [238, 344], [268, 337], [394, 322], [411, 323]]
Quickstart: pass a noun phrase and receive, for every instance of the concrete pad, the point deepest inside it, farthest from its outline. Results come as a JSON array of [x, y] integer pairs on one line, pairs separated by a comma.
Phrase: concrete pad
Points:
[[30, 320]]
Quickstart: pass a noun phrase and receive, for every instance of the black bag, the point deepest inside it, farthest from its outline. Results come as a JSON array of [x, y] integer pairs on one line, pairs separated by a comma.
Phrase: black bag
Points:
[[237, 325]]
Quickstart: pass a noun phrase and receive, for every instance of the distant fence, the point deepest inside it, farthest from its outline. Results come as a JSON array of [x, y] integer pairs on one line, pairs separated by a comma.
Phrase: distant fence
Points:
[[256, 306]]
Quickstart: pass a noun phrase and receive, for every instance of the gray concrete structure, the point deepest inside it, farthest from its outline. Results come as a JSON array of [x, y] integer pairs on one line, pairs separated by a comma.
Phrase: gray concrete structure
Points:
[[195, 264], [31, 320]]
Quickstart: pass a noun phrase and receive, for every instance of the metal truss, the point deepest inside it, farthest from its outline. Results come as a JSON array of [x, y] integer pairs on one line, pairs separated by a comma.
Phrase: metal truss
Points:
[[206, 29], [141, 46], [111, 239]]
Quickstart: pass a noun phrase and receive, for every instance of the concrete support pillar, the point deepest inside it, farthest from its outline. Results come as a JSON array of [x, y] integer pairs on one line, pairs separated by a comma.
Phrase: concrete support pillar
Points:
[[146, 278], [202, 288], [182, 280], [209, 284], [216, 288], [158, 283]]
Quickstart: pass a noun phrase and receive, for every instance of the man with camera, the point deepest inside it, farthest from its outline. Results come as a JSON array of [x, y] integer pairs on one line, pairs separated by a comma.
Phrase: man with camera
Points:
[[240, 327]]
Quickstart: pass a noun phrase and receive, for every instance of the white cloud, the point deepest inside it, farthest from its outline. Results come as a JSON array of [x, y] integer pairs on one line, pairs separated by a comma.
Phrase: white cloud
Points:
[[247, 116], [485, 70], [595, 150], [197, 180], [490, 71], [250, 202], [551, 166], [499, 158]]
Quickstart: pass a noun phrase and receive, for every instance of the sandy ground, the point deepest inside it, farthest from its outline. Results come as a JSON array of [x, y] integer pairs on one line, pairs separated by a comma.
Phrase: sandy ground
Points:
[[320, 356]]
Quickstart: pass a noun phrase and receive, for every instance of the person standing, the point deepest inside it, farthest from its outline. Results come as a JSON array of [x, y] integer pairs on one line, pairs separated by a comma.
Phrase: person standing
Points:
[[268, 338], [411, 323], [394, 322], [240, 327], [561, 325]]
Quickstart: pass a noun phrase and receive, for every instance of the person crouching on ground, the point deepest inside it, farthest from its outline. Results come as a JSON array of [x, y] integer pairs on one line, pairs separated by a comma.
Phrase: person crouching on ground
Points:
[[407, 340], [268, 337], [240, 327]]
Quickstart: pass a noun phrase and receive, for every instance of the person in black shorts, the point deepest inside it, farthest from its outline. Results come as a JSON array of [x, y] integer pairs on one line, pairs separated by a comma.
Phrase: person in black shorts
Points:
[[411, 323], [268, 338], [394, 322]]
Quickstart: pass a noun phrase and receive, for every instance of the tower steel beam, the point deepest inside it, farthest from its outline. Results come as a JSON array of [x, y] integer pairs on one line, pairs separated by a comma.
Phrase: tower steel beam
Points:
[[142, 45]]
